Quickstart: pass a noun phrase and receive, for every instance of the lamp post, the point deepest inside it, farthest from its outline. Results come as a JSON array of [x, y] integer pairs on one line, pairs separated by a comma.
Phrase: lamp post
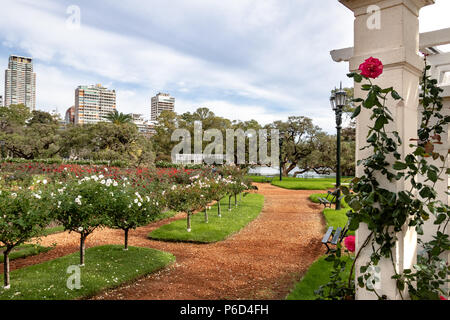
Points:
[[338, 100], [280, 141]]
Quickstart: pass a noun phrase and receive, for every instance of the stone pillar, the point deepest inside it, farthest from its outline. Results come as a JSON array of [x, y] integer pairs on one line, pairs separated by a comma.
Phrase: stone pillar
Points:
[[388, 30]]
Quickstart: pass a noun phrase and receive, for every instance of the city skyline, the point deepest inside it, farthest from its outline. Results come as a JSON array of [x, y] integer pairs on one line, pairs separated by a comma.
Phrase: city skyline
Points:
[[242, 60]]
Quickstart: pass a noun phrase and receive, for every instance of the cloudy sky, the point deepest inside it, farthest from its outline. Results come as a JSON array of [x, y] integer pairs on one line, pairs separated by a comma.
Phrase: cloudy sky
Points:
[[244, 59]]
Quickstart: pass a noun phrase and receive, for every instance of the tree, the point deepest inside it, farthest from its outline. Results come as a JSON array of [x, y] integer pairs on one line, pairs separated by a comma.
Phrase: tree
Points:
[[23, 215], [301, 139], [129, 209], [80, 206], [118, 118], [167, 123], [29, 135]]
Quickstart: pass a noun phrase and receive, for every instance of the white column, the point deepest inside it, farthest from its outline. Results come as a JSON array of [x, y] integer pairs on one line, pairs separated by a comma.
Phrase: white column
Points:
[[388, 30]]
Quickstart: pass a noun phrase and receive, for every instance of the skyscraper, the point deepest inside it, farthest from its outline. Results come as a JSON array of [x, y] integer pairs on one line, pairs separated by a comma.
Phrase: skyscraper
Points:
[[160, 103], [93, 103], [20, 82], [70, 115]]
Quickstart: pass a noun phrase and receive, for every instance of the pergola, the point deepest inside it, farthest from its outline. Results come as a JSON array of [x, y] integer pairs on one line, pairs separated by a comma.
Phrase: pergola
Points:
[[429, 43], [397, 43]]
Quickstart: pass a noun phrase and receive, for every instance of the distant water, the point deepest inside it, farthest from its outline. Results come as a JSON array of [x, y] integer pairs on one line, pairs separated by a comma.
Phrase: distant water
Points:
[[262, 171]]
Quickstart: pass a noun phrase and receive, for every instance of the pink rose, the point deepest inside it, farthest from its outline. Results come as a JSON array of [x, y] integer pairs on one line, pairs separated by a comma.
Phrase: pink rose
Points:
[[371, 68], [349, 243]]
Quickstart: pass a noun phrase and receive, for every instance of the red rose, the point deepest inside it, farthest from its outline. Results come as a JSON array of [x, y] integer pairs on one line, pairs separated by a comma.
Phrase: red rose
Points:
[[442, 298], [349, 243], [371, 68]]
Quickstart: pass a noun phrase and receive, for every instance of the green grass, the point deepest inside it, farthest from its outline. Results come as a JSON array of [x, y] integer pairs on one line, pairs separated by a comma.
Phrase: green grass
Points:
[[315, 198], [305, 183], [300, 183], [24, 251], [106, 267], [52, 230], [318, 274], [334, 218], [217, 229], [259, 179]]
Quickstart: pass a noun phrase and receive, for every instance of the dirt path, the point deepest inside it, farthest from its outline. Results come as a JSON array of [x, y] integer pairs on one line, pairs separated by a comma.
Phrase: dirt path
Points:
[[260, 262]]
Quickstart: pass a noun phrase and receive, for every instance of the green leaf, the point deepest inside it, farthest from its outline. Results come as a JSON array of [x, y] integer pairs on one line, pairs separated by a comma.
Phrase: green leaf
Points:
[[356, 112], [432, 175], [395, 95], [400, 166], [381, 121]]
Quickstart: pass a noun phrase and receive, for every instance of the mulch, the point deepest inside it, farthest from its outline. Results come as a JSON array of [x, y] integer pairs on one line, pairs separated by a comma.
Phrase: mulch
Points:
[[263, 261]]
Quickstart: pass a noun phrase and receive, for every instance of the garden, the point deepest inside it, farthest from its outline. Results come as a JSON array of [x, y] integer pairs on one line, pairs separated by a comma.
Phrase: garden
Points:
[[39, 199]]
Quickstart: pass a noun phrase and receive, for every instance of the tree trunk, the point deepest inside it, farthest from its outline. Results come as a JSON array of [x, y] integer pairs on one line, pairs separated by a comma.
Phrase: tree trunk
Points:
[[126, 240], [82, 249], [206, 215], [229, 203], [235, 200], [189, 222], [6, 268], [218, 209]]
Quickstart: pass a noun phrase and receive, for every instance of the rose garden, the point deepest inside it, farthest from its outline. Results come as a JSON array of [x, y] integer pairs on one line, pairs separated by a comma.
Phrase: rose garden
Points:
[[73, 230]]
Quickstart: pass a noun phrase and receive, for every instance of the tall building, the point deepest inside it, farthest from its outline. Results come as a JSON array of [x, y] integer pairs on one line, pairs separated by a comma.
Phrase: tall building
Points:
[[20, 82], [70, 116], [93, 103], [160, 103]]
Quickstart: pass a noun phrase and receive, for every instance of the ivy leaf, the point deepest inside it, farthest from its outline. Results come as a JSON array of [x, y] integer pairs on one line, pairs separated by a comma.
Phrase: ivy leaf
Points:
[[441, 218], [432, 175], [356, 112], [395, 95], [381, 121], [400, 166]]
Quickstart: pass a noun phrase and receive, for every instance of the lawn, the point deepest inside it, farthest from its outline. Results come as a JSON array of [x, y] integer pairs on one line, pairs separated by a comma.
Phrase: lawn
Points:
[[106, 267], [318, 274], [334, 218], [24, 251], [217, 229]]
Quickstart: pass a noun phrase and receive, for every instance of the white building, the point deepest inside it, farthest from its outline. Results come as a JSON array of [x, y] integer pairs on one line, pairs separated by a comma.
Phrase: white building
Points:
[[93, 104], [160, 103], [20, 82]]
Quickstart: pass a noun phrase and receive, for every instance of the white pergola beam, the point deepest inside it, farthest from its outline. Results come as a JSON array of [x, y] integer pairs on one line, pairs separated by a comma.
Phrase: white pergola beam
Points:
[[427, 40]]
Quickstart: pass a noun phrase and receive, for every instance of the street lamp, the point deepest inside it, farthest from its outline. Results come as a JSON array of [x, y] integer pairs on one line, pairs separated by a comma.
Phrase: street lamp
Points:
[[280, 141], [338, 100]]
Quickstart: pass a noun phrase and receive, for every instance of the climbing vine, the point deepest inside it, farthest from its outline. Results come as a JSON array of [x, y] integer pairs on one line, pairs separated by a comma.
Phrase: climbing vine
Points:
[[384, 212]]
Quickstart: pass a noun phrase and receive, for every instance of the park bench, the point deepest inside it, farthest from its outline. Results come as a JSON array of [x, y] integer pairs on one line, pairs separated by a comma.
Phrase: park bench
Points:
[[333, 237], [330, 199], [268, 178]]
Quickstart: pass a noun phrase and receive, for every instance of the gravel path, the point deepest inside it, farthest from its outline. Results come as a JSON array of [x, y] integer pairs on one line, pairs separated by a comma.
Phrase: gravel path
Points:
[[260, 262]]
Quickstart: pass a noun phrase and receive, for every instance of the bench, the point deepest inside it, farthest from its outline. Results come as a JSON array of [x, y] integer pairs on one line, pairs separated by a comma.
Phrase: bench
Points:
[[327, 201], [268, 178], [333, 237]]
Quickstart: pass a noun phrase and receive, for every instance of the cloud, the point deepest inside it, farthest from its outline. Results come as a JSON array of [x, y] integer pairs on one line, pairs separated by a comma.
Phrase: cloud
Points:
[[244, 58]]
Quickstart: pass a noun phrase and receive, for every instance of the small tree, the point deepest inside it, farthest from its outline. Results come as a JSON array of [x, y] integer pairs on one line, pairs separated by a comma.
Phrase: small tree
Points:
[[184, 198], [218, 191], [80, 206], [129, 209], [23, 215]]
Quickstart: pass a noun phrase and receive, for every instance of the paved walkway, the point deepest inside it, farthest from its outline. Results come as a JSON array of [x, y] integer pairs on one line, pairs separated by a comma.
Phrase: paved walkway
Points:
[[260, 262]]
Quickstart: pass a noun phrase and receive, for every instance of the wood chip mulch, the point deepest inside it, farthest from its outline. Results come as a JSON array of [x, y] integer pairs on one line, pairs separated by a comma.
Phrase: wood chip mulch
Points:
[[263, 261]]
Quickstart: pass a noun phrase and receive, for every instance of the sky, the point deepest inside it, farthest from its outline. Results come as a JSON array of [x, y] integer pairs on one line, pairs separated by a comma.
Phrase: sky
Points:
[[243, 59]]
